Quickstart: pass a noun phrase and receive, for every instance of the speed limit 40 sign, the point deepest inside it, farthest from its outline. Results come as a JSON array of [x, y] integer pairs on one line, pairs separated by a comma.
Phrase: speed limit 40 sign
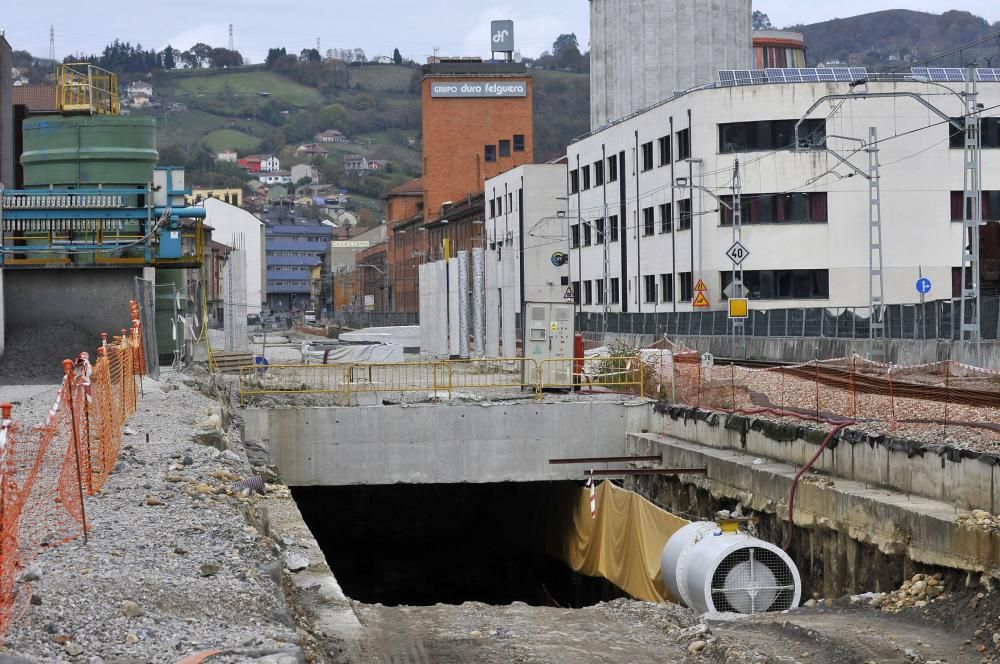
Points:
[[737, 253]]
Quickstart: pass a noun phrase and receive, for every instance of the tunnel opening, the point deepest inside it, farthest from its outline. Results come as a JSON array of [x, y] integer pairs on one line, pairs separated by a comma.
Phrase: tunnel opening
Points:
[[424, 544]]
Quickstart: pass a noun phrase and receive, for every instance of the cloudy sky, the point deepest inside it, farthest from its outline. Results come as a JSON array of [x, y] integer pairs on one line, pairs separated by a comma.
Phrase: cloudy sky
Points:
[[454, 27]]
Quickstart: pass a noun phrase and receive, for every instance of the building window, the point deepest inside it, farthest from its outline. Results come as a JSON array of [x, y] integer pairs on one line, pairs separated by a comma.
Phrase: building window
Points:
[[788, 208], [666, 288], [574, 235], [599, 227], [574, 181], [599, 288], [598, 173], [684, 214], [683, 144], [647, 156], [612, 169], [687, 287], [576, 292], [989, 129], [510, 202], [493, 208], [491, 153], [588, 292], [782, 284], [613, 228], [518, 142], [504, 148], [666, 218], [499, 205], [586, 177], [615, 291], [586, 233], [664, 145], [990, 204], [649, 288], [770, 135], [648, 223]]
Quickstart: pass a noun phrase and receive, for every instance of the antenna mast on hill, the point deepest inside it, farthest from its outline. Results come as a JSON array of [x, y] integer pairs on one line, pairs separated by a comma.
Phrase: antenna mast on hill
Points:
[[231, 44]]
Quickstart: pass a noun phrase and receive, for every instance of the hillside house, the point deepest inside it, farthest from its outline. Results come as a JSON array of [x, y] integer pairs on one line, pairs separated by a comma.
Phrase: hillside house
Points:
[[311, 150], [330, 136], [227, 155]]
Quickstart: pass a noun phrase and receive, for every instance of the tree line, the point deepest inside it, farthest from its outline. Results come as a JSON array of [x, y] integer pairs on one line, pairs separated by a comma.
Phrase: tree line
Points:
[[124, 58]]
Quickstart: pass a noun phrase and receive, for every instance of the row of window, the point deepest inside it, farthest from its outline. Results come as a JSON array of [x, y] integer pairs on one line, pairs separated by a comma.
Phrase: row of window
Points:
[[304, 284], [989, 131], [760, 285], [786, 208], [666, 214], [593, 291], [594, 232], [496, 205], [990, 203], [505, 146], [770, 135]]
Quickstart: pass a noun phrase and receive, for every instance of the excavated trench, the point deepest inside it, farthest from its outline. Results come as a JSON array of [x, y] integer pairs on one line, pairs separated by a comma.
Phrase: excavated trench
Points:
[[423, 544]]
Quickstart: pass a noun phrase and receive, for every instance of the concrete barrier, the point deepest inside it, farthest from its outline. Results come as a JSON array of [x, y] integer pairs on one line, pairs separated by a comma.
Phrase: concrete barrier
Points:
[[432, 444]]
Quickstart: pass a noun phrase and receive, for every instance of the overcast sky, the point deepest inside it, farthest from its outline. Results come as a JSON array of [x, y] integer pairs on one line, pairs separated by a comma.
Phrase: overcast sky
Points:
[[456, 27]]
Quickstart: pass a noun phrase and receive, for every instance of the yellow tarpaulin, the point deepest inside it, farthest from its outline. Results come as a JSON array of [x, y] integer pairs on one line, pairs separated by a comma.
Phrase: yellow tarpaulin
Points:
[[622, 544]]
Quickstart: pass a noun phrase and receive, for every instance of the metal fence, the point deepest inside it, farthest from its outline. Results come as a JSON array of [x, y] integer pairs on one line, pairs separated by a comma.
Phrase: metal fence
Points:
[[361, 319], [939, 319]]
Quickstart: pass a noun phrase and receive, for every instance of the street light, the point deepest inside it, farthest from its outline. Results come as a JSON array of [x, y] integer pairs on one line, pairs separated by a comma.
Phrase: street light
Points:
[[385, 285]]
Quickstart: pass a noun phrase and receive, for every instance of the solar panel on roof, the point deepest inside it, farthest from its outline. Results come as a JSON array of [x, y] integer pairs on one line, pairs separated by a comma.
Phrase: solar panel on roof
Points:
[[857, 73], [988, 74], [727, 77]]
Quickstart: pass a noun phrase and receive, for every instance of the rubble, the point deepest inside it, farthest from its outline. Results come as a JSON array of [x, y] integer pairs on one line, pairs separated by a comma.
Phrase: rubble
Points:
[[917, 591]]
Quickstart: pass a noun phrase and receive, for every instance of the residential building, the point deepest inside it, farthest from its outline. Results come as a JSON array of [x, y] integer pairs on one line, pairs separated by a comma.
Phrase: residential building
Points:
[[293, 250], [227, 155], [233, 196], [331, 136], [299, 171], [275, 177], [805, 211], [257, 163], [384, 60], [363, 164], [311, 150]]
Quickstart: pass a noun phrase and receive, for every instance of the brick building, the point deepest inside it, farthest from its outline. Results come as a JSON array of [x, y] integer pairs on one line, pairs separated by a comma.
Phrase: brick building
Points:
[[407, 247]]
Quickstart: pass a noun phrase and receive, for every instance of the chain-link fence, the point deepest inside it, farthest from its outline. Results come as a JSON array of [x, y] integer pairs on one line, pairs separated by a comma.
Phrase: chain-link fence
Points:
[[361, 319], [939, 319]]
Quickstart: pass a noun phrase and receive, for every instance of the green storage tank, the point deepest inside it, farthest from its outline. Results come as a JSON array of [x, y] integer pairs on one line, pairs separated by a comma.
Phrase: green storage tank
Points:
[[88, 150]]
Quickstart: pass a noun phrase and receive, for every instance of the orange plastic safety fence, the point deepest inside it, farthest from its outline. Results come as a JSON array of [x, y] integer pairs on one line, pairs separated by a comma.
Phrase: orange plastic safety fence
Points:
[[46, 470]]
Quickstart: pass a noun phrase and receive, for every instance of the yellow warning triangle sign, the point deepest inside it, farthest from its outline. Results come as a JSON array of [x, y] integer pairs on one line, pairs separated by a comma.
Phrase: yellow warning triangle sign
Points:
[[700, 300], [700, 287]]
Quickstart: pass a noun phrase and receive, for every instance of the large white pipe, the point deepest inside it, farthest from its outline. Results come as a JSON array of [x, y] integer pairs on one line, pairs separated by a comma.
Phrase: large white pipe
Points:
[[479, 300], [462, 286], [711, 570]]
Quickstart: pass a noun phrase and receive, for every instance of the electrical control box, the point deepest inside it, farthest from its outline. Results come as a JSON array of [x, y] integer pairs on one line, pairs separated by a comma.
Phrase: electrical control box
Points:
[[548, 340]]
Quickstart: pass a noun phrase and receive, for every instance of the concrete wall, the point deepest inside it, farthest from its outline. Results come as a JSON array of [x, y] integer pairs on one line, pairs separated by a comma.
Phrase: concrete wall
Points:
[[232, 226], [477, 443], [96, 300], [898, 351], [641, 51]]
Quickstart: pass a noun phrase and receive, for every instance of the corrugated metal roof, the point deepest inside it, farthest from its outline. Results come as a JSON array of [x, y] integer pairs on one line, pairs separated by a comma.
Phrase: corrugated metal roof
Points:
[[303, 229], [315, 248]]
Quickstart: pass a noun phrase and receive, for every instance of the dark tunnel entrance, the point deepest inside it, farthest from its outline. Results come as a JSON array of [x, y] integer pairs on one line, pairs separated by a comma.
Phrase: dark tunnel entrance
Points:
[[423, 544]]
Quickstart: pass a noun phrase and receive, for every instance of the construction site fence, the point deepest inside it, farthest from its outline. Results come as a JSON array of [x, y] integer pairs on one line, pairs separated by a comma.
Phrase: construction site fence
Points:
[[444, 377], [47, 468], [938, 320], [939, 400]]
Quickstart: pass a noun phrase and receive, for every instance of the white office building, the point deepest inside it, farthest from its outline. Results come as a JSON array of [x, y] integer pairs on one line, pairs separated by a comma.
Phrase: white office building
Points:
[[805, 212]]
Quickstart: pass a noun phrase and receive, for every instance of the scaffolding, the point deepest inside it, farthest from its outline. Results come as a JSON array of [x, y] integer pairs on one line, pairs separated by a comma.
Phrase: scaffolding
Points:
[[84, 88]]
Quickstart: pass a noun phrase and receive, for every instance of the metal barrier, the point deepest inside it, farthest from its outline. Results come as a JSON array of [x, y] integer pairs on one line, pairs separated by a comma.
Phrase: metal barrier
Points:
[[83, 87], [617, 374]]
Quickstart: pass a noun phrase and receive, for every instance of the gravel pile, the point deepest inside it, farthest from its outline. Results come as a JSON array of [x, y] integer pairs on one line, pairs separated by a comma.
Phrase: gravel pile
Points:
[[34, 354], [917, 591], [177, 561], [979, 520]]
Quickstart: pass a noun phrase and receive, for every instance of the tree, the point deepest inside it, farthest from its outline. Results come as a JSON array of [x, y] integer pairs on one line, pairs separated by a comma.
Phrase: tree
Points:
[[359, 55], [274, 54], [168, 58], [761, 21], [566, 52], [309, 55], [397, 56], [223, 57]]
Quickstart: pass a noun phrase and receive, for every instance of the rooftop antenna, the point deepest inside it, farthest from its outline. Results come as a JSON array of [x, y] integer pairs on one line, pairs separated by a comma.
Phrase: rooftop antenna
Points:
[[231, 45]]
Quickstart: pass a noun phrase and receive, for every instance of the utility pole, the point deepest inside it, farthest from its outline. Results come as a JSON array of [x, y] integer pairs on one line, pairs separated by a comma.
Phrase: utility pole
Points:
[[737, 276], [972, 213], [876, 280]]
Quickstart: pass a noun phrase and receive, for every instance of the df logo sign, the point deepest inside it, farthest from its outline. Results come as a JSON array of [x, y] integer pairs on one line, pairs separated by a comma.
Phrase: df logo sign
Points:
[[503, 36]]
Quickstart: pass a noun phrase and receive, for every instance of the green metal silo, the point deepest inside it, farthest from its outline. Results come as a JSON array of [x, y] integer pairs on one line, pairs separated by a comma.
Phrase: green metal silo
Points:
[[88, 151]]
